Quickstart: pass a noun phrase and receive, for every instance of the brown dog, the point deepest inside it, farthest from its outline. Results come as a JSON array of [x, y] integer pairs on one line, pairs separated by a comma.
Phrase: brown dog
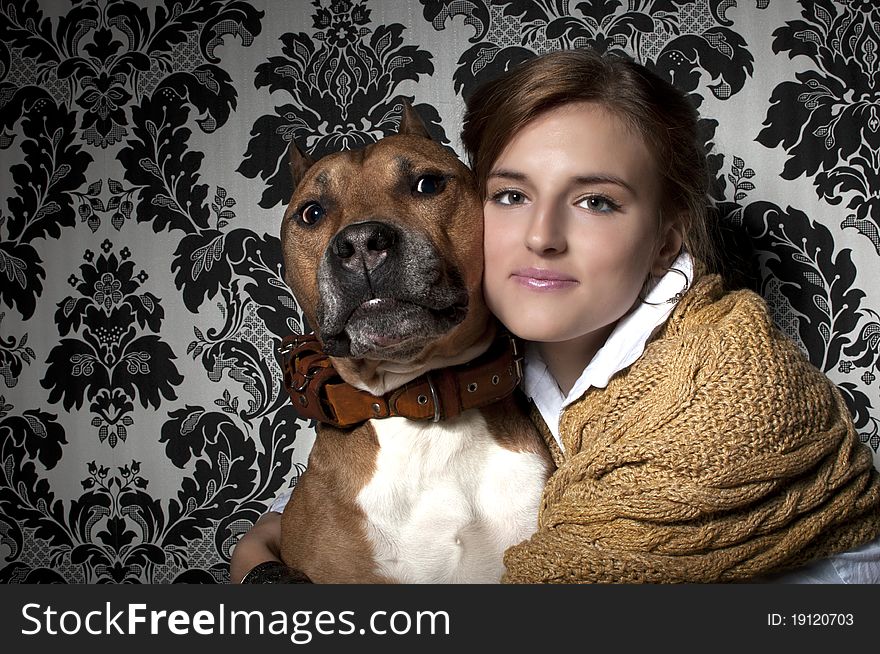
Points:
[[383, 248]]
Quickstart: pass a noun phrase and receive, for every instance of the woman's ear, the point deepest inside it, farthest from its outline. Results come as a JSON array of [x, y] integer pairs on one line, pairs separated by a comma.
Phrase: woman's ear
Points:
[[668, 246]]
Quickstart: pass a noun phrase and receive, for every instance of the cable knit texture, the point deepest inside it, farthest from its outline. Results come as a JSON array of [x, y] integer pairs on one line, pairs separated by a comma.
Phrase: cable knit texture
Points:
[[721, 454]]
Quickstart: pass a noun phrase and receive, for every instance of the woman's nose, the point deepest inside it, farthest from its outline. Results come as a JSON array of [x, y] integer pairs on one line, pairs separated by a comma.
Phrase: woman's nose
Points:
[[546, 230]]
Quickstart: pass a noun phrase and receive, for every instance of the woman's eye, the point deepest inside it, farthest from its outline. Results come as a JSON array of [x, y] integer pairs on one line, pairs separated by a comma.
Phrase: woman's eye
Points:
[[311, 213], [598, 204], [429, 184], [509, 197]]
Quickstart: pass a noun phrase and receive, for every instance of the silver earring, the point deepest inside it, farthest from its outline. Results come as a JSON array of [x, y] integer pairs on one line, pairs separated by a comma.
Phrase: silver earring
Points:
[[675, 298]]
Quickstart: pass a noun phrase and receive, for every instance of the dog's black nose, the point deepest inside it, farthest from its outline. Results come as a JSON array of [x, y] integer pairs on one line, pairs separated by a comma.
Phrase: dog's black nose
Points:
[[364, 245]]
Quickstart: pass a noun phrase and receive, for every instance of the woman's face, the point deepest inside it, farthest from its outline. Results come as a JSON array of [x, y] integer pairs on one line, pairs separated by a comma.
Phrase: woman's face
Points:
[[572, 226]]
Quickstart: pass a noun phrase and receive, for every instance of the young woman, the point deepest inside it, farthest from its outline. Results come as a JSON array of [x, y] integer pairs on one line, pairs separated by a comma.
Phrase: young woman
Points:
[[694, 442]]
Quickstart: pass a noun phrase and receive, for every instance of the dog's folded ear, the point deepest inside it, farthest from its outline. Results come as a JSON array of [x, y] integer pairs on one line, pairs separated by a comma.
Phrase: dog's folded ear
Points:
[[298, 163], [411, 123]]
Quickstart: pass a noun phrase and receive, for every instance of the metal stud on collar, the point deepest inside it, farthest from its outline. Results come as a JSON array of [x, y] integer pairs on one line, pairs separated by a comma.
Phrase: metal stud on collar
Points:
[[435, 398]]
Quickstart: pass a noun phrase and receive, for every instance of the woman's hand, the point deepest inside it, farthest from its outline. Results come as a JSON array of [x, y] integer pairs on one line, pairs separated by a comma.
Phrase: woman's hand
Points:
[[261, 543]]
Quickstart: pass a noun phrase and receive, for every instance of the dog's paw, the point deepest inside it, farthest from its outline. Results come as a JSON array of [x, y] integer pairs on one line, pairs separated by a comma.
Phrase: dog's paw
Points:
[[275, 572]]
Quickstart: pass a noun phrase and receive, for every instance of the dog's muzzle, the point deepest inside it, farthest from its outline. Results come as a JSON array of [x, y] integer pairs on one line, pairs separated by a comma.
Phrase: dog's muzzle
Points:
[[385, 292]]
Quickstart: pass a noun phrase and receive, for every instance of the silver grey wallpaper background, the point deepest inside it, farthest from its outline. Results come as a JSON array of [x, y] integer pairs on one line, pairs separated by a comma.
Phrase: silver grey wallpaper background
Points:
[[143, 426]]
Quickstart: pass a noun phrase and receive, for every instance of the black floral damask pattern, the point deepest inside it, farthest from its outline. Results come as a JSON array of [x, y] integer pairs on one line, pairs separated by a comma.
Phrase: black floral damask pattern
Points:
[[828, 120], [343, 82], [122, 74], [111, 115], [113, 362], [41, 204]]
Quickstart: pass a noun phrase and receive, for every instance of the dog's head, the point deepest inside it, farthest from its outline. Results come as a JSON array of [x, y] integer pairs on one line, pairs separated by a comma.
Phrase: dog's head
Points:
[[383, 250]]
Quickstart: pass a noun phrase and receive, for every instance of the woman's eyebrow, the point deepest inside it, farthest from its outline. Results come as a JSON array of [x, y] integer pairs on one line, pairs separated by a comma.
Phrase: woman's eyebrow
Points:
[[587, 180], [508, 174], [579, 180]]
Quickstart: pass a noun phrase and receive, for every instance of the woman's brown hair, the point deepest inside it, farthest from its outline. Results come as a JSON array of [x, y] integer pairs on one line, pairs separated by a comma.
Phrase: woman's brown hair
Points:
[[659, 112]]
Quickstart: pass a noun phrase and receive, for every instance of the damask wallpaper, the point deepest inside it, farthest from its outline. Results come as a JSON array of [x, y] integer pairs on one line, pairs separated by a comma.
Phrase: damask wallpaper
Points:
[[143, 427]]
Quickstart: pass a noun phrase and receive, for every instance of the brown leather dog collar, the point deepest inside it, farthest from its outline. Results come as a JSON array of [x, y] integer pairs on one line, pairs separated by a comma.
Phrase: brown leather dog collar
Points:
[[318, 392]]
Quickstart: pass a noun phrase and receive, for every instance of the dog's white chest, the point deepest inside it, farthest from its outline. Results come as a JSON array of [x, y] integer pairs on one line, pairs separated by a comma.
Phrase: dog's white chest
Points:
[[446, 500]]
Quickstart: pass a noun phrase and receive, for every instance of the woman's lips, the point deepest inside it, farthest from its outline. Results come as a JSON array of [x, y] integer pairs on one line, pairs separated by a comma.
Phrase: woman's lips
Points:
[[539, 279]]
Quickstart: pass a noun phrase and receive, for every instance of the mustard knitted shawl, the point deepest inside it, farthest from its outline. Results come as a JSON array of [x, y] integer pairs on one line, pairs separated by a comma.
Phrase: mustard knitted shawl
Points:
[[721, 454]]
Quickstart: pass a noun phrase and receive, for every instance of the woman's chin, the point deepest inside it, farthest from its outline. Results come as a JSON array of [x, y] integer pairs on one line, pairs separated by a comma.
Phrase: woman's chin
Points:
[[540, 331]]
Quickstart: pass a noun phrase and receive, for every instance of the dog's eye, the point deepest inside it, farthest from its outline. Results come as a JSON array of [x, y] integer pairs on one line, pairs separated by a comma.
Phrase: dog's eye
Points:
[[311, 213], [429, 184]]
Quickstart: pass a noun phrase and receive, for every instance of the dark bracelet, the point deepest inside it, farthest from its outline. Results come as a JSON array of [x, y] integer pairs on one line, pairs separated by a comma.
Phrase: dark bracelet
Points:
[[274, 572]]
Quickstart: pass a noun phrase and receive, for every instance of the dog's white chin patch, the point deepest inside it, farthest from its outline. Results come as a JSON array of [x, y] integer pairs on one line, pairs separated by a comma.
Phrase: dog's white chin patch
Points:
[[446, 500]]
